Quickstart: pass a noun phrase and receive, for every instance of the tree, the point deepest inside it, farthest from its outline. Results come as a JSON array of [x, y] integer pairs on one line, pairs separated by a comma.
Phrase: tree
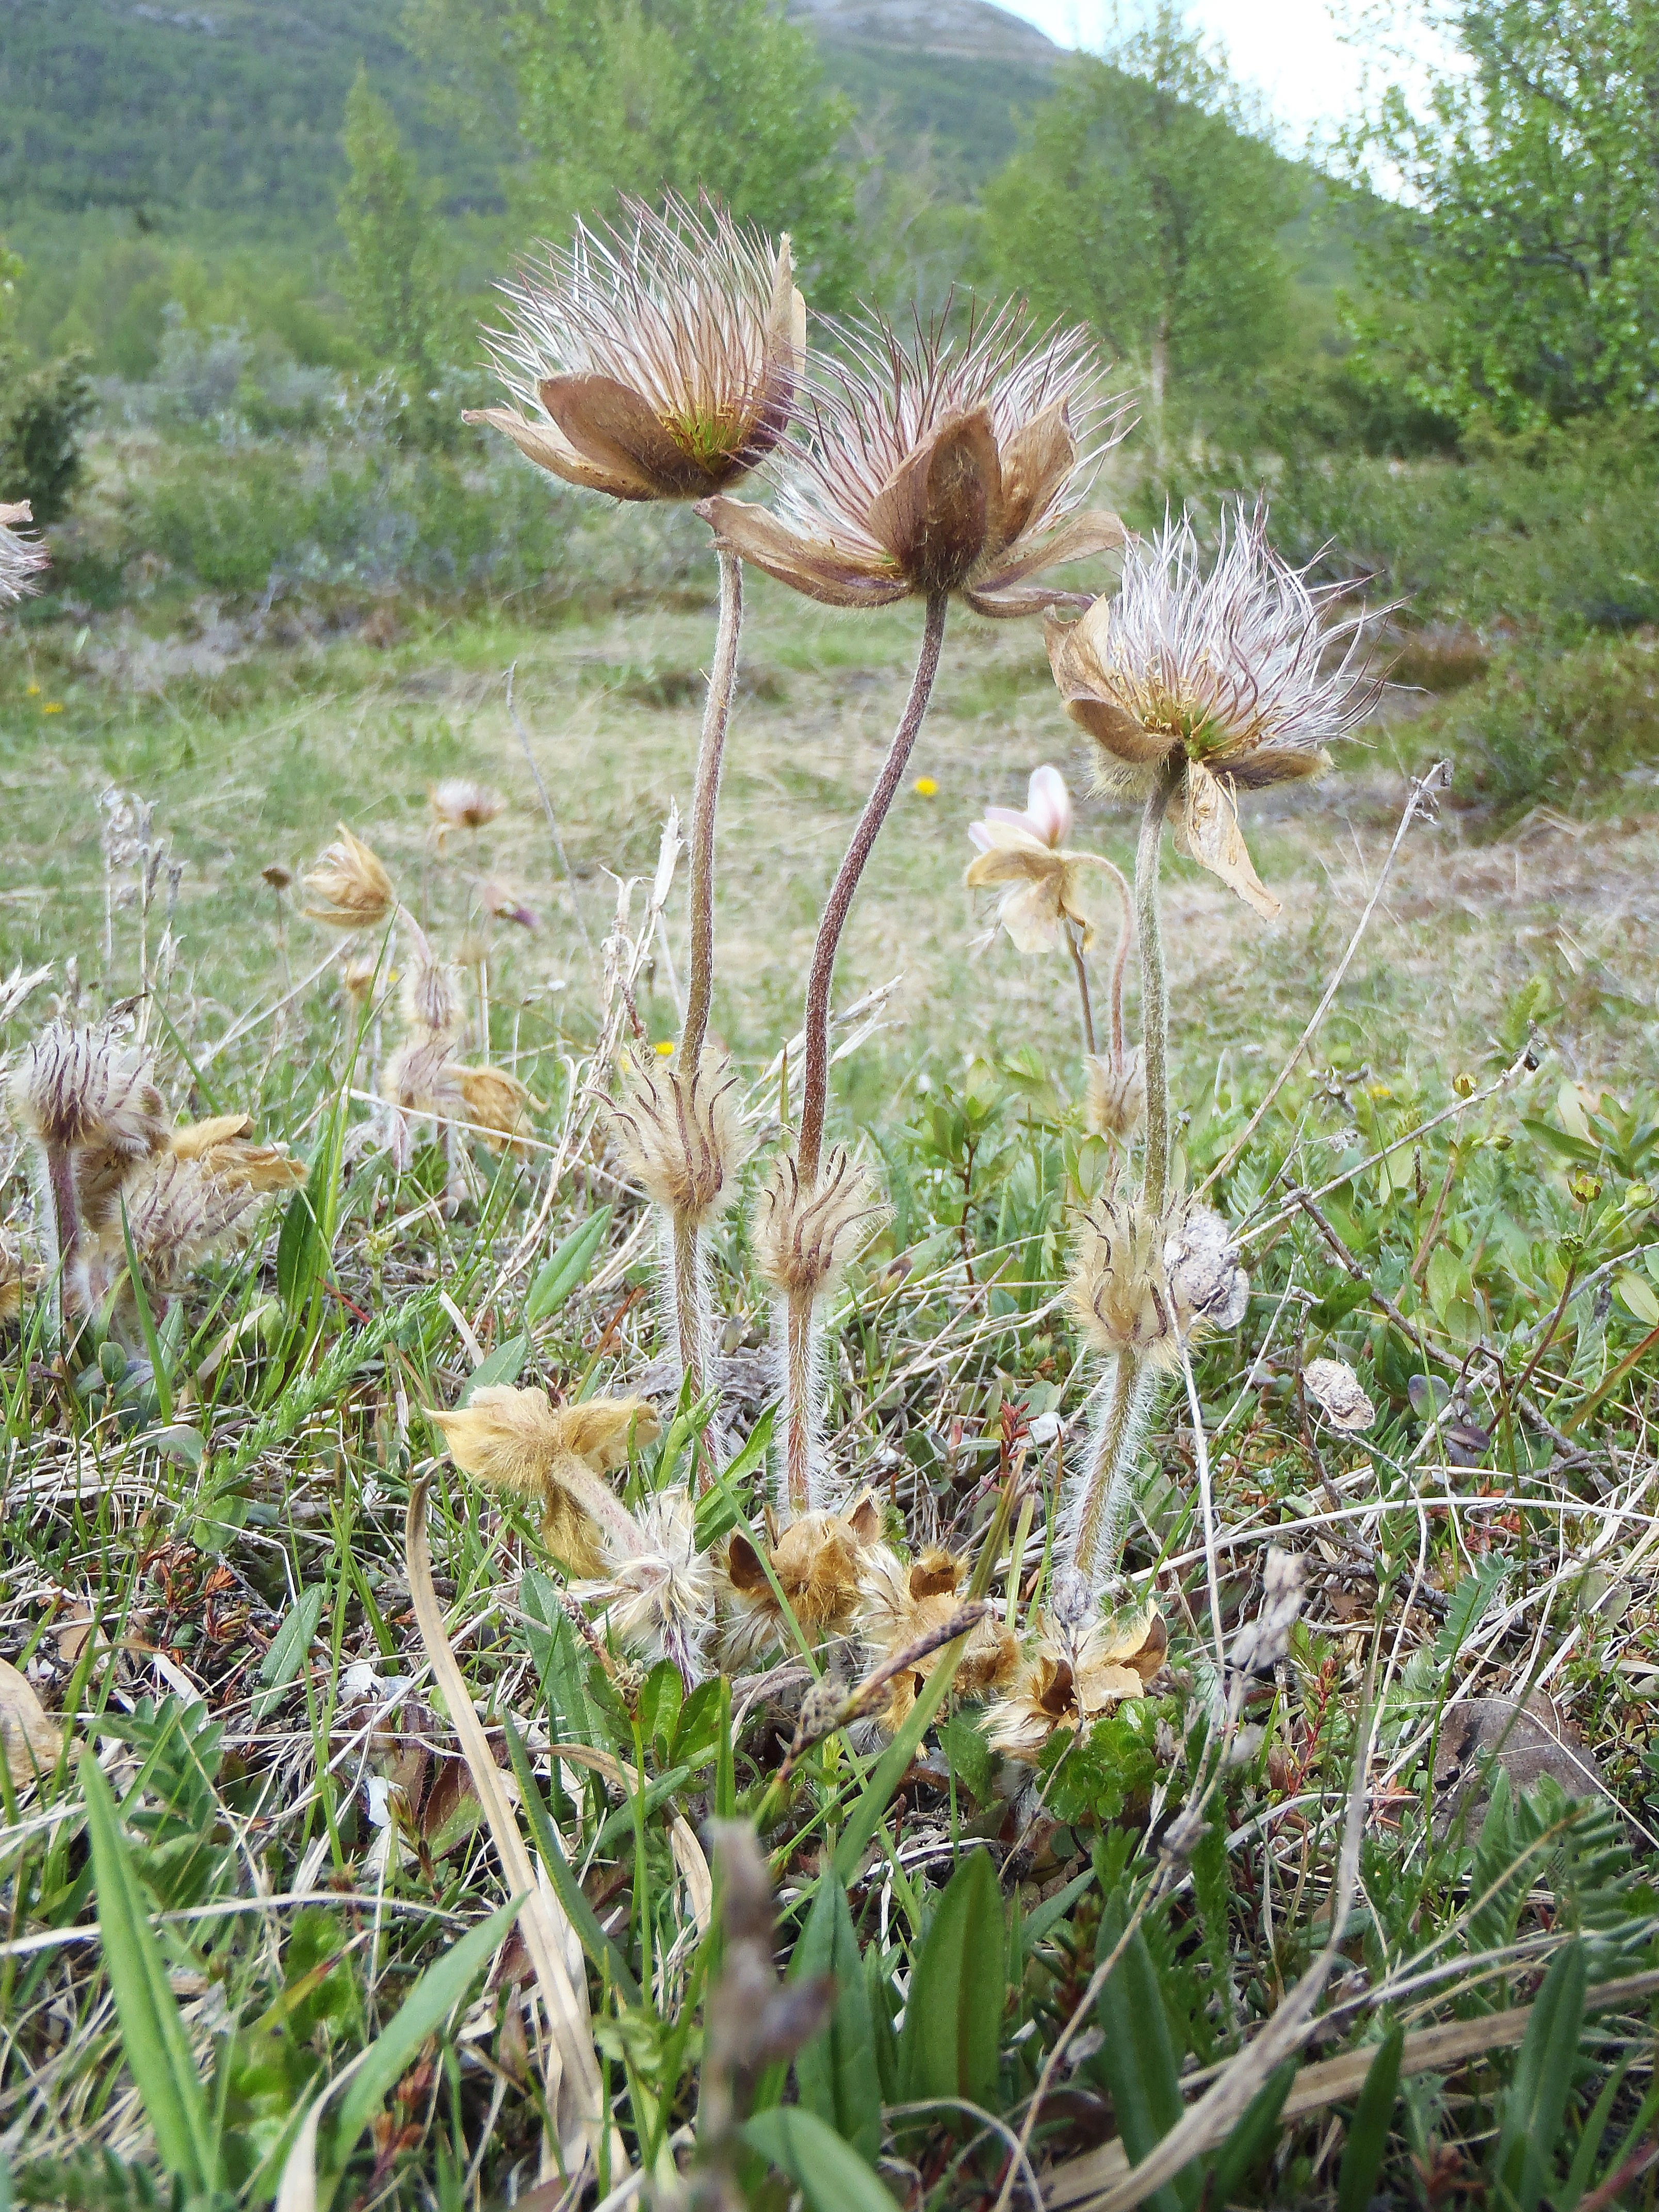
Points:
[[1145, 203], [1521, 283], [393, 279], [604, 96]]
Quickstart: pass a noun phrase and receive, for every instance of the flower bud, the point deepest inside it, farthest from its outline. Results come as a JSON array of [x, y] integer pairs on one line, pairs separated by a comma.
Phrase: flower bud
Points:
[[804, 1239], [682, 1134]]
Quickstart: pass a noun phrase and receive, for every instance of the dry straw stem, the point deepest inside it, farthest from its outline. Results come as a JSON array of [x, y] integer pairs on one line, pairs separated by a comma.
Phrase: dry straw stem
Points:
[[1424, 793], [1095, 2181], [573, 2093]]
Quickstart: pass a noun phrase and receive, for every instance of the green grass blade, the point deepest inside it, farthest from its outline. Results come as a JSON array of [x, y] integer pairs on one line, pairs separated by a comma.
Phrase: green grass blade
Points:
[[153, 1346], [604, 1950], [953, 2016], [1536, 2101], [1368, 2138], [1137, 2057], [154, 2042], [566, 1268], [835, 2070], [830, 2174], [422, 2012], [892, 1767]]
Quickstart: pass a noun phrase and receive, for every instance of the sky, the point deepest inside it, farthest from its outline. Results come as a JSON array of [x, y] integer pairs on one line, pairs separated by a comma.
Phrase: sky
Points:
[[1288, 49]]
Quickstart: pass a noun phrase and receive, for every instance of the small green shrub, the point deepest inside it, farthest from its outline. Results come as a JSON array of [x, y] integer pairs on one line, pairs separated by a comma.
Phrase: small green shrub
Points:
[[42, 411], [1575, 731]]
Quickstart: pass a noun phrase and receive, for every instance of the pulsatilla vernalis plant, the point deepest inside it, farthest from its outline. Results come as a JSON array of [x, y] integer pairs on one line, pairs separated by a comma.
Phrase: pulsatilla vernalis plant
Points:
[[662, 360]]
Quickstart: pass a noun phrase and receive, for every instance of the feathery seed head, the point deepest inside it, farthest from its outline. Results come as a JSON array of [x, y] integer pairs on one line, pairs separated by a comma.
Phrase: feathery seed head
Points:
[[1119, 1290], [22, 559], [803, 1239], [177, 1210], [942, 466], [430, 992], [660, 361], [1145, 1283], [1073, 1678], [1116, 1097], [660, 1594], [80, 1089], [1227, 669], [683, 1135], [348, 885], [421, 1076], [460, 803]]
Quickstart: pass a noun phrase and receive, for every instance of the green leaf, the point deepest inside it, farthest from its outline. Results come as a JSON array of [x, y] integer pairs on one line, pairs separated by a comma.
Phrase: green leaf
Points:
[[1052, 1910], [1638, 1296], [836, 2072], [1368, 2137], [567, 1269], [718, 1508], [443, 1986], [1536, 2099], [289, 1648], [970, 1758], [829, 2174], [953, 2015], [503, 1364], [153, 2038], [560, 1667], [1469, 1599], [1136, 2056], [1251, 2136], [299, 1251]]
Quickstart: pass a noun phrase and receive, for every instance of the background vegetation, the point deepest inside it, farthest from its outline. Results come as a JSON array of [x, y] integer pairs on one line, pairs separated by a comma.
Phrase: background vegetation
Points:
[[247, 251]]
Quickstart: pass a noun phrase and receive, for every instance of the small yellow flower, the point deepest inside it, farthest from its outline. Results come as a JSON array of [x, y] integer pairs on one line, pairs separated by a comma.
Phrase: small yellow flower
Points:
[[925, 787], [664, 1048], [31, 690], [1378, 1091], [52, 707]]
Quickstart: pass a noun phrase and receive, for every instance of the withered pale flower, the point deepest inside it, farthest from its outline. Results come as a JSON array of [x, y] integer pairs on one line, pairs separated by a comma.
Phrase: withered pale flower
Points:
[[517, 1441], [940, 467], [1226, 671], [430, 993], [459, 802], [900, 1601], [1114, 1095], [1339, 1394], [221, 1145], [660, 361], [1074, 1678], [495, 1103], [348, 885], [817, 1561], [1023, 853], [22, 559]]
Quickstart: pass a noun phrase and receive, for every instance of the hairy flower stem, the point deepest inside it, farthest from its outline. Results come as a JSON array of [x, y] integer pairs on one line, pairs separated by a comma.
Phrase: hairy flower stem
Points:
[[688, 1265], [1097, 1532], [60, 1217], [802, 1415], [1076, 951], [815, 1089], [688, 1261], [1154, 1001]]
